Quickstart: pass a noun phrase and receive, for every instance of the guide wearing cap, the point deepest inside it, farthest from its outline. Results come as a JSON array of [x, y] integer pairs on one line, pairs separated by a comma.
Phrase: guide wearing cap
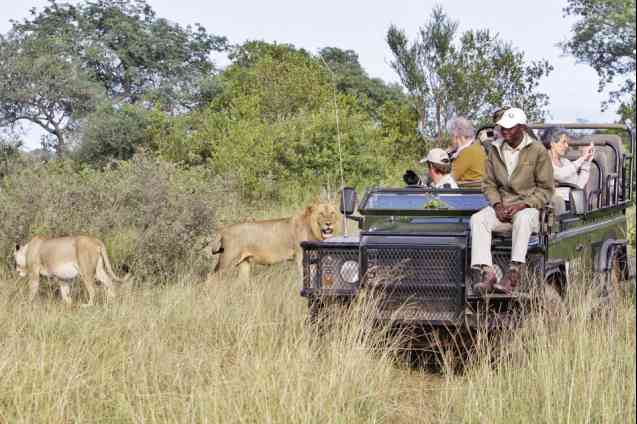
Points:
[[517, 184]]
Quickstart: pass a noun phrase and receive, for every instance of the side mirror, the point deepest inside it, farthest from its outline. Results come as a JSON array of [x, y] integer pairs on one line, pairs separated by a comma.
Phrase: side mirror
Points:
[[348, 200]]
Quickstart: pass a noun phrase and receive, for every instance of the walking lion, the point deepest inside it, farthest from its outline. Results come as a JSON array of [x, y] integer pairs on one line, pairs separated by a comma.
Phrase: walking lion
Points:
[[272, 241]]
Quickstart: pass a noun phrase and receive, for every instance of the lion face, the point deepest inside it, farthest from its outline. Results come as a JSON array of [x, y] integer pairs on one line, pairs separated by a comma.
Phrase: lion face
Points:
[[324, 220], [20, 256]]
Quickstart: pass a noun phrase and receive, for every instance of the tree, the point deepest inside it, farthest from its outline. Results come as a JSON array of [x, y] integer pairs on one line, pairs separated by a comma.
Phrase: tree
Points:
[[469, 75], [134, 54], [352, 79], [42, 84], [604, 38], [274, 126], [112, 133], [486, 72], [57, 66], [9, 150]]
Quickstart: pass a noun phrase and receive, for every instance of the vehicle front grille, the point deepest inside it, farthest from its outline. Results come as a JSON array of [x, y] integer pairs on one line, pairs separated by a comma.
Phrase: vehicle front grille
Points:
[[416, 283], [330, 268]]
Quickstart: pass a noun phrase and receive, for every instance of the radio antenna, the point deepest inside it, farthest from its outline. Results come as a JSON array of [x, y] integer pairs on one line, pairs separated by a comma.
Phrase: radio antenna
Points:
[[338, 138]]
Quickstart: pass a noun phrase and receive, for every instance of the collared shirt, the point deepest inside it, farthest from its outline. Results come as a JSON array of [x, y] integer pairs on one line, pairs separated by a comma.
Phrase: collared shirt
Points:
[[510, 155], [446, 179]]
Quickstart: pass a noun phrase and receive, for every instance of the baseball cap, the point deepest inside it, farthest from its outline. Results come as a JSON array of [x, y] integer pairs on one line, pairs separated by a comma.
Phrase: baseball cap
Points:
[[512, 117], [438, 156]]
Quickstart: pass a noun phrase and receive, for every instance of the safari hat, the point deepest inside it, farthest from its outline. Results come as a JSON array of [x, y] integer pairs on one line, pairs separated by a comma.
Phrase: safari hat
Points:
[[437, 156], [512, 117]]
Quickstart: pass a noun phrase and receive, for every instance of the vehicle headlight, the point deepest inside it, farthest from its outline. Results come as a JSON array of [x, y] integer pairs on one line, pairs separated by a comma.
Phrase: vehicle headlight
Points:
[[349, 272]]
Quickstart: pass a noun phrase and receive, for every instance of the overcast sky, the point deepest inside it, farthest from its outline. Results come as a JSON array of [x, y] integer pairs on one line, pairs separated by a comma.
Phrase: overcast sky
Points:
[[534, 27]]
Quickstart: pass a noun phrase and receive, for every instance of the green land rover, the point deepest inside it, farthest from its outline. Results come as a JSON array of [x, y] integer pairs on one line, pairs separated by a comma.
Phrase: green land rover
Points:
[[414, 244]]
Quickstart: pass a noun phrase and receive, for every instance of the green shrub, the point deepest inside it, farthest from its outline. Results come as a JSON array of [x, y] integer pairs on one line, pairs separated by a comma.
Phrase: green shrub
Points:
[[274, 129], [112, 133], [152, 215]]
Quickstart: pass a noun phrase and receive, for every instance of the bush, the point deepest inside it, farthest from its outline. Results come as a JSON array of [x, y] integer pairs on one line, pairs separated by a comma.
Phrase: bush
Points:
[[152, 215], [112, 133], [274, 128]]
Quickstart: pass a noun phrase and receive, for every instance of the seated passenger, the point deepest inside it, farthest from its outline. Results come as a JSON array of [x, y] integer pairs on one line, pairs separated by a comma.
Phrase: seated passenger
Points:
[[439, 169], [517, 184], [577, 172], [468, 157]]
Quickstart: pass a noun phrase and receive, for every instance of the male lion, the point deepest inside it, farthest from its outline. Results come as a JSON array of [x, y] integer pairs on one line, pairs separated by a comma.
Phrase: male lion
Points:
[[272, 241], [65, 258]]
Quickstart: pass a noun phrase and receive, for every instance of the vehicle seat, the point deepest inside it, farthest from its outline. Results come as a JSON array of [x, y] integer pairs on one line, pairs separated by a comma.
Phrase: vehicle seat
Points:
[[593, 187], [606, 170]]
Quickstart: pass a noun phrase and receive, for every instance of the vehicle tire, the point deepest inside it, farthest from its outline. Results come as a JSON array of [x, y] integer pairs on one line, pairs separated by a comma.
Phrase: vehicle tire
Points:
[[552, 298], [613, 280]]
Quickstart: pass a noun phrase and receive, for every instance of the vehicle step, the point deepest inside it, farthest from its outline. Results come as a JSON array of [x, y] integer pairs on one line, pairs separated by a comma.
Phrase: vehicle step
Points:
[[498, 297]]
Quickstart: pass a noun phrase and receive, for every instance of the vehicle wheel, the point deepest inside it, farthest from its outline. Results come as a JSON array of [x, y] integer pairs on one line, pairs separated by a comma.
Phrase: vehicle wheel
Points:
[[551, 297], [613, 288]]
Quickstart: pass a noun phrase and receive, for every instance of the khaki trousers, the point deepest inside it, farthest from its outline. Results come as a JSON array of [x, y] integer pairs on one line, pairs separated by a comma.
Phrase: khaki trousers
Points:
[[483, 223]]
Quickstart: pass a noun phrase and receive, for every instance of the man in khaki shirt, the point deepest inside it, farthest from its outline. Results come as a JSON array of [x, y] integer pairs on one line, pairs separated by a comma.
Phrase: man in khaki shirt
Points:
[[518, 183]]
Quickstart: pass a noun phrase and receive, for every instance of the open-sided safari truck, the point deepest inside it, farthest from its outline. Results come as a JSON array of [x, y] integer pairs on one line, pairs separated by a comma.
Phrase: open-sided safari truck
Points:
[[413, 250]]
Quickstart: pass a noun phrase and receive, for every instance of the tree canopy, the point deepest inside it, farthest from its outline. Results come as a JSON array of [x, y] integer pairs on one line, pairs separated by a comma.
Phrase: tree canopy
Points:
[[41, 83], [57, 62], [468, 74], [351, 78], [604, 37]]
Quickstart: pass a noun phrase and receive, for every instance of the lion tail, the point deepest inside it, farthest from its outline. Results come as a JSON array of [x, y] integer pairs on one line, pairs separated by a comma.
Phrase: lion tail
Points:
[[107, 265]]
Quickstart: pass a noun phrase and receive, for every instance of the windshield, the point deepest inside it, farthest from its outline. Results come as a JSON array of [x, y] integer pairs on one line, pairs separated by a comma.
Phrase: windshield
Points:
[[424, 201]]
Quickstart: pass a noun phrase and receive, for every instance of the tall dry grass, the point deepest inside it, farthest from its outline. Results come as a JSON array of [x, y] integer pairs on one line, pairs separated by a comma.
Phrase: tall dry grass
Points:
[[242, 352], [571, 365], [188, 353]]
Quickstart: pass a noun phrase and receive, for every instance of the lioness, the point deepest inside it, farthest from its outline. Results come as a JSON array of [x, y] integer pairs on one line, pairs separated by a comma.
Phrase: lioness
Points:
[[272, 241], [65, 258]]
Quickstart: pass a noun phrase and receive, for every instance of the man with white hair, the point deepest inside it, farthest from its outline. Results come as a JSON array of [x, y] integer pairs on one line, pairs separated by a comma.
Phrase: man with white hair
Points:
[[468, 156], [517, 184]]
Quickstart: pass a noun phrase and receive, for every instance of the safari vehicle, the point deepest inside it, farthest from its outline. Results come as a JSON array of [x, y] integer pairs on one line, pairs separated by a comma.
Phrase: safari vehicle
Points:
[[413, 249]]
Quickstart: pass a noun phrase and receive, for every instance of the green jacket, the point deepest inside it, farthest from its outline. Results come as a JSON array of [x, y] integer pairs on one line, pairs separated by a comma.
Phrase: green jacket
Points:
[[531, 181]]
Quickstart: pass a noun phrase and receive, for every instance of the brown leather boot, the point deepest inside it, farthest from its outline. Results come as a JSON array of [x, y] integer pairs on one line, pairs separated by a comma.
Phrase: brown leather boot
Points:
[[487, 282], [509, 281]]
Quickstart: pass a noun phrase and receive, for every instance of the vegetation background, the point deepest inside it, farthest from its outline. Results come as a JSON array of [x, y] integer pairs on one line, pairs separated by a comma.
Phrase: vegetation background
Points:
[[151, 148]]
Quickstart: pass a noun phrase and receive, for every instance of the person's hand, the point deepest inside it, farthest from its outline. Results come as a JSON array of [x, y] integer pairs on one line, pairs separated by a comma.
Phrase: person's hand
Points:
[[500, 212], [511, 210]]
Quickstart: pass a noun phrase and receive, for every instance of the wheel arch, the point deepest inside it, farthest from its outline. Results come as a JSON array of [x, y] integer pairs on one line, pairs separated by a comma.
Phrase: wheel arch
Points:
[[556, 273], [604, 256]]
